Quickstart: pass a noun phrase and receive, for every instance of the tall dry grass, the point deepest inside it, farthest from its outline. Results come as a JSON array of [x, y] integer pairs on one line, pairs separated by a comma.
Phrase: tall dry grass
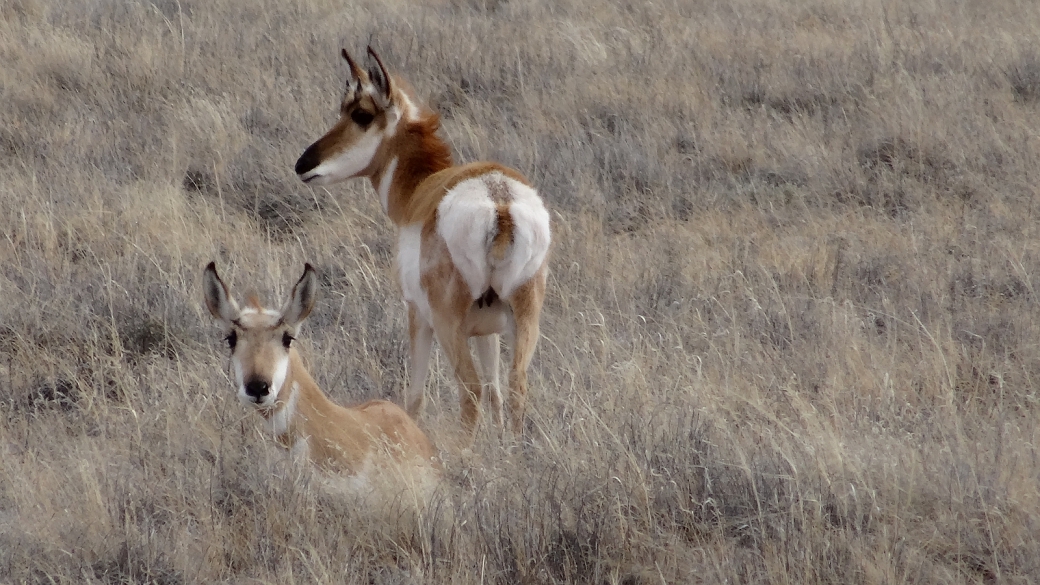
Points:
[[790, 335]]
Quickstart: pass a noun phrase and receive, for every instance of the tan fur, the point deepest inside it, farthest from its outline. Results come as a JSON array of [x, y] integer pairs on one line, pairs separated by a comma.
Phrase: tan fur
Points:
[[420, 205], [341, 439], [527, 307], [423, 175], [422, 155]]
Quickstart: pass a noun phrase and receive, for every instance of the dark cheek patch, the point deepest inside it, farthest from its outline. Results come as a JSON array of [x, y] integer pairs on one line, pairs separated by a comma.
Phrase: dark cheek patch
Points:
[[345, 133]]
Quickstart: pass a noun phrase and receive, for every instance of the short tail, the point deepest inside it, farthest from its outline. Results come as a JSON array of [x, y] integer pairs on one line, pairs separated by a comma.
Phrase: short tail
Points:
[[503, 232], [500, 244]]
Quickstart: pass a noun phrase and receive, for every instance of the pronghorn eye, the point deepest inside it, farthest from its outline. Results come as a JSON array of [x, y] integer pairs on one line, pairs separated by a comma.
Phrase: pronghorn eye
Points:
[[287, 340], [231, 339], [362, 118]]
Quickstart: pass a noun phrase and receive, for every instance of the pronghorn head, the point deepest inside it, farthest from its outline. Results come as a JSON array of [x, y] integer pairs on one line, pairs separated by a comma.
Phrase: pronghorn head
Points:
[[369, 114], [260, 339]]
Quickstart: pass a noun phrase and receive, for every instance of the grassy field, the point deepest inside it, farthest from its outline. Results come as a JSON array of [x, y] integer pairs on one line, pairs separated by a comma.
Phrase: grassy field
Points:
[[791, 332]]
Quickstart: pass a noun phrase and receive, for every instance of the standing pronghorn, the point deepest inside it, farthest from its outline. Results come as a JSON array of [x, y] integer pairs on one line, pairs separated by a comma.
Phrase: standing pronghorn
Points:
[[472, 240], [270, 375]]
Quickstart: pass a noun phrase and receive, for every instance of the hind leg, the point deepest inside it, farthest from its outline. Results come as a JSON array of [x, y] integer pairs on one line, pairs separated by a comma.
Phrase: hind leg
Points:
[[527, 307], [455, 345]]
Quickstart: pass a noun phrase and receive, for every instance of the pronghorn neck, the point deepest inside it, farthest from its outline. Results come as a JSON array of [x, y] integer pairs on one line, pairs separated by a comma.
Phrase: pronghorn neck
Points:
[[414, 153], [300, 398]]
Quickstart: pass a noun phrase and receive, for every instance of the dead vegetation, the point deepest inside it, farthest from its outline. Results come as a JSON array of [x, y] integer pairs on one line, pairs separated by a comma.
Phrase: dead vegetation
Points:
[[790, 333]]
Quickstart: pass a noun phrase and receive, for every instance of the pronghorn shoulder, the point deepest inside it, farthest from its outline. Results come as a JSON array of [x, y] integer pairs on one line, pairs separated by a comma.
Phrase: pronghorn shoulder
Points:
[[431, 191]]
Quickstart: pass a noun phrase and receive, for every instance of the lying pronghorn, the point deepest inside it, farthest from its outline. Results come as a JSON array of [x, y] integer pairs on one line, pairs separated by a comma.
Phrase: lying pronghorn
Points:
[[271, 376], [472, 240]]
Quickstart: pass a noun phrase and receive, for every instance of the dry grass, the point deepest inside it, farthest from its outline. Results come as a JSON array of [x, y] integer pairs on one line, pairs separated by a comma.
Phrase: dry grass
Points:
[[790, 337]]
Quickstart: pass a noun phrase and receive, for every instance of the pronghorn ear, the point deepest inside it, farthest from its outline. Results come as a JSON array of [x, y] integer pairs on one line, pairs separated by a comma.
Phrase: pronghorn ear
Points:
[[380, 78], [302, 299], [218, 300], [355, 71]]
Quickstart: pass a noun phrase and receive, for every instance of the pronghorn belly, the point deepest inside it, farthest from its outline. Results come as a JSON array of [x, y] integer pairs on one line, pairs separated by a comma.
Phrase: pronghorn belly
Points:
[[467, 221], [356, 482], [409, 266]]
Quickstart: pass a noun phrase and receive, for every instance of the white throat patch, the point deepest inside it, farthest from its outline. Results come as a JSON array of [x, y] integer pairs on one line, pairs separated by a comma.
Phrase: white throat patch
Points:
[[281, 370], [385, 182], [348, 163], [279, 423]]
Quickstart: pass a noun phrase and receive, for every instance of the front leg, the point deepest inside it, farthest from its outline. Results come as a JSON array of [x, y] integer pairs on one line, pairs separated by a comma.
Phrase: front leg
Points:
[[420, 340]]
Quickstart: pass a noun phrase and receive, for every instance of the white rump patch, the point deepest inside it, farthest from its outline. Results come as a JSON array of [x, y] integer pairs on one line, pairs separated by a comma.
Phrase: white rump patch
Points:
[[466, 219], [530, 240], [409, 266]]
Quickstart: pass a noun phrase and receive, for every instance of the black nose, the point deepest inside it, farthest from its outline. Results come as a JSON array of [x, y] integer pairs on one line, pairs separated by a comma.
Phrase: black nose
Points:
[[307, 161], [257, 389]]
